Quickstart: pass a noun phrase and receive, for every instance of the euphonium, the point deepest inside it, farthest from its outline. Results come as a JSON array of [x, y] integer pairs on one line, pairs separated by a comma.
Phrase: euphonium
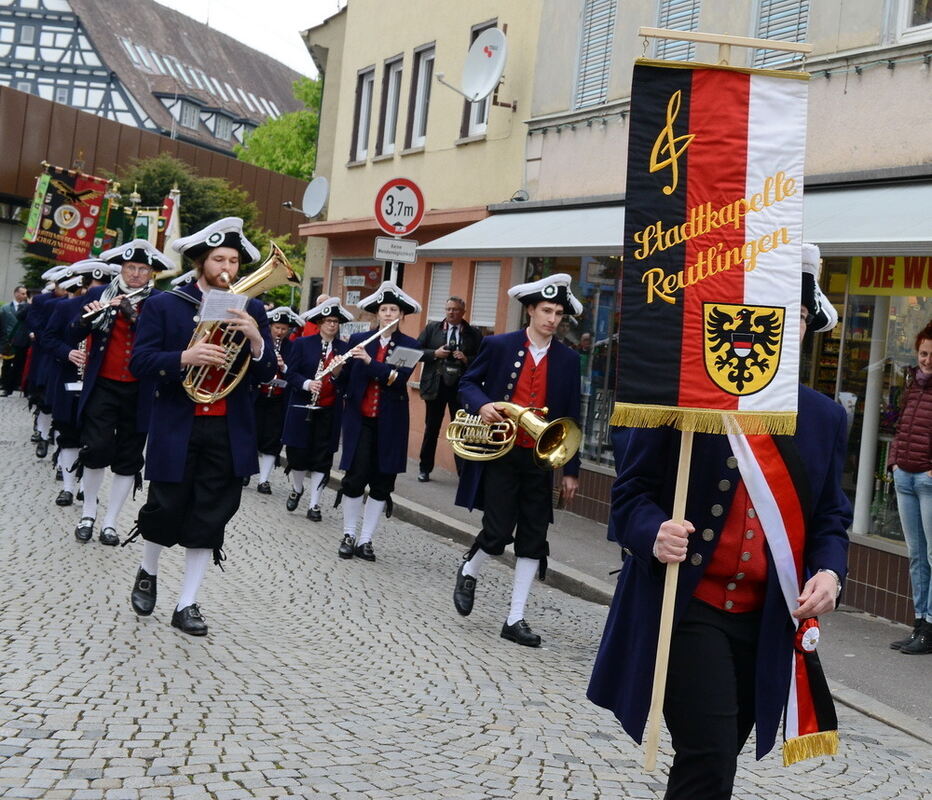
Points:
[[222, 380], [555, 442]]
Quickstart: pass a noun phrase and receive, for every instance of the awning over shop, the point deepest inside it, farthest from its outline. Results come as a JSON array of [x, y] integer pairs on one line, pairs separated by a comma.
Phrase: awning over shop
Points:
[[870, 220], [853, 221], [566, 232]]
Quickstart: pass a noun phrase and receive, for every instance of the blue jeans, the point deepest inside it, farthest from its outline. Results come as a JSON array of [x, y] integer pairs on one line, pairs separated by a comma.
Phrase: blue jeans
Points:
[[914, 498]]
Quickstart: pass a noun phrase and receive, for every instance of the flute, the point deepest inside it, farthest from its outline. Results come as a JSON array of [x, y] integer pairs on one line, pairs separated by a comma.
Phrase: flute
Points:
[[99, 311]]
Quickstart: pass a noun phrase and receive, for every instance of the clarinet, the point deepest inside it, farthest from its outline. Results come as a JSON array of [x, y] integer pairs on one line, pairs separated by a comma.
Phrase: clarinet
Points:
[[319, 375]]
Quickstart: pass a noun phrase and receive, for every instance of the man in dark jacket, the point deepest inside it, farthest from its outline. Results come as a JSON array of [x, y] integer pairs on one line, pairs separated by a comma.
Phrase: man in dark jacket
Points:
[[449, 346], [15, 338]]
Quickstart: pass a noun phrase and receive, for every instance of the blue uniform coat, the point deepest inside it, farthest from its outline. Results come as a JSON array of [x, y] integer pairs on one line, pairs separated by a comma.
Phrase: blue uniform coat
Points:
[[61, 371], [163, 331], [393, 404], [642, 498], [302, 360], [493, 376], [80, 328], [40, 311]]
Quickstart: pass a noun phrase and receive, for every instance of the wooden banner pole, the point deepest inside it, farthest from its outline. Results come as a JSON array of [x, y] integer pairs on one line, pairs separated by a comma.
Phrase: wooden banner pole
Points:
[[666, 611]]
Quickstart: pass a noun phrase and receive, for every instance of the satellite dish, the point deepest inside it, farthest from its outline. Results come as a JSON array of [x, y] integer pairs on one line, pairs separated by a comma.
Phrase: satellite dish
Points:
[[315, 196], [484, 65]]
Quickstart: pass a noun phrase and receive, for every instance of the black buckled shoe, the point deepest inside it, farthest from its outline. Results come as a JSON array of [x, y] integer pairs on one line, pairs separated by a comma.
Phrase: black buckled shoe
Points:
[[899, 644], [144, 593], [520, 633], [64, 498], [922, 644], [347, 547], [189, 620], [314, 515], [109, 536], [264, 488], [79, 496], [36, 437], [58, 475], [423, 477], [293, 499], [365, 551], [85, 530], [464, 595], [42, 448]]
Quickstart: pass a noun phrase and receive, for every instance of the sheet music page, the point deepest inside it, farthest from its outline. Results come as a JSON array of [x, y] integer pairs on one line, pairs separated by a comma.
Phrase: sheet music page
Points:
[[215, 305], [404, 357]]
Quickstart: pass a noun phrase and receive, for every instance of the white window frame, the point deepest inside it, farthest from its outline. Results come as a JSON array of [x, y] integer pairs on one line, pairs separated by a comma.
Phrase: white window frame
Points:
[[783, 20], [485, 290], [907, 32], [594, 62], [677, 15], [441, 278], [63, 95], [364, 114], [425, 76], [479, 116], [392, 106], [31, 38], [223, 127], [187, 109]]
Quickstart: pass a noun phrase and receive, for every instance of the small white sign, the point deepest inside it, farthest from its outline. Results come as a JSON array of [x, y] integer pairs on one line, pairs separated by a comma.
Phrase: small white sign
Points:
[[354, 280], [390, 249], [352, 298]]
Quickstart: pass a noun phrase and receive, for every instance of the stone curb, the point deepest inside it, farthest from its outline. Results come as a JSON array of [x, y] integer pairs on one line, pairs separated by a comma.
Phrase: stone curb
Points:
[[578, 584]]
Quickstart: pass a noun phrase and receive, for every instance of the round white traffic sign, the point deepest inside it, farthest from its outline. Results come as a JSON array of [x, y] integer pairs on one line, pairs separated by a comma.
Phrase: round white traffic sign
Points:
[[399, 207]]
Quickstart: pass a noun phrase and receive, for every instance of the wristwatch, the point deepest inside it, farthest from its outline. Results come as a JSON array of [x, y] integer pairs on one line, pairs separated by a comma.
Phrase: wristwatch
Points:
[[837, 580]]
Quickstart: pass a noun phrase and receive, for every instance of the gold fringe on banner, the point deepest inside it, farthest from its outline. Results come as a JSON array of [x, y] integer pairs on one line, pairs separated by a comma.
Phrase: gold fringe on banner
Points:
[[812, 745], [704, 420]]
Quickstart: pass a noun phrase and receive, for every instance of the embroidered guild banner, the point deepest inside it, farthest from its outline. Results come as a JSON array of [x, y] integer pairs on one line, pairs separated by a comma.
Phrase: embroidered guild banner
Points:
[[64, 215], [713, 228]]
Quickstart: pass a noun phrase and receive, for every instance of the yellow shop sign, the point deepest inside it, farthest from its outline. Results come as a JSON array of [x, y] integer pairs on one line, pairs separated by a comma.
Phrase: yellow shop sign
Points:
[[891, 275]]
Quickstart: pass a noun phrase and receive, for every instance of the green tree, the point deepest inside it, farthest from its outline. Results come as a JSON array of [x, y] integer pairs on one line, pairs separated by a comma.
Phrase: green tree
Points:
[[287, 144]]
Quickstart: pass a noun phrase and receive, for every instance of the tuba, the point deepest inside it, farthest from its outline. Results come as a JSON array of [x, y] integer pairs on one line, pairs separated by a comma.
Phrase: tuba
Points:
[[555, 442], [207, 384]]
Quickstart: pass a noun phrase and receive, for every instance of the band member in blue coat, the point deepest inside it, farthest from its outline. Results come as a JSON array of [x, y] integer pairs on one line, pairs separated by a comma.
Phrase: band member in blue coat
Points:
[[732, 648], [270, 397], [532, 369], [314, 410], [114, 407], [375, 419], [69, 361], [197, 453], [40, 311]]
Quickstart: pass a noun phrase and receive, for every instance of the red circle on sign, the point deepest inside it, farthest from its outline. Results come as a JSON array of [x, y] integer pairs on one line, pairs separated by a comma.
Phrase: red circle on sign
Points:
[[399, 207]]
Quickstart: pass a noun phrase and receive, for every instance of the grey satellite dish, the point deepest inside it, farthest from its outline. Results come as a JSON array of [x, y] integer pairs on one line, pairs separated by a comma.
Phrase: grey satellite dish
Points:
[[315, 196], [484, 65]]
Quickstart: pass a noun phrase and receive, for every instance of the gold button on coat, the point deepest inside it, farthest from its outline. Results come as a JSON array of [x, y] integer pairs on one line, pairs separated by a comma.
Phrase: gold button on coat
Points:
[[724, 486], [717, 510], [708, 534], [745, 556], [695, 559], [731, 462]]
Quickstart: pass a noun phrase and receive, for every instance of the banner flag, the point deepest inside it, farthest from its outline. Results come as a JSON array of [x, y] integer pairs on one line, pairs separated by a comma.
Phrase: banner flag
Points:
[[713, 229], [63, 219], [171, 230]]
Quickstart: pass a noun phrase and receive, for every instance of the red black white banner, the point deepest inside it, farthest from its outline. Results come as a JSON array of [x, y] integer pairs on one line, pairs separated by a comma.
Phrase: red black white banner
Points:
[[713, 228]]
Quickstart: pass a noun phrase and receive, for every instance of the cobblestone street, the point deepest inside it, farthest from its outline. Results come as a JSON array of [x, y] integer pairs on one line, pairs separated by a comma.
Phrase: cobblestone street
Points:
[[321, 677]]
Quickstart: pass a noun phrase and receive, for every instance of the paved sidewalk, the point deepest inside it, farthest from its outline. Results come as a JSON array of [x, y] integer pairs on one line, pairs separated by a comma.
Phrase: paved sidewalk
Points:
[[321, 678]]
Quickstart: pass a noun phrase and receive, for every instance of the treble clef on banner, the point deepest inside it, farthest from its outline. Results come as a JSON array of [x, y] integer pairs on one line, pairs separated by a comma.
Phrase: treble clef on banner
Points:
[[666, 144]]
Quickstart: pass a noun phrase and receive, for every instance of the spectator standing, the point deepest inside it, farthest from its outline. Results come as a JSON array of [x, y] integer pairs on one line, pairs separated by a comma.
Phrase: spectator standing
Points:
[[14, 337]]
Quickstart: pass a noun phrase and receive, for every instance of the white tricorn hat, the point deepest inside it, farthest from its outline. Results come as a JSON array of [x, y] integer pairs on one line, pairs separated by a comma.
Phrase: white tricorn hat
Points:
[[98, 270], [138, 251], [822, 314], [389, 292], [226, 232], [283, 314], [184, 278], [552, 289], [330, 307]]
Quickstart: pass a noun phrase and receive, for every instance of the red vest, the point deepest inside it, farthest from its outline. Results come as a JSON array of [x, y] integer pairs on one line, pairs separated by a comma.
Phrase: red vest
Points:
[[530, 390], [370, 400], [328, 393], [736, 578], [115, 365]]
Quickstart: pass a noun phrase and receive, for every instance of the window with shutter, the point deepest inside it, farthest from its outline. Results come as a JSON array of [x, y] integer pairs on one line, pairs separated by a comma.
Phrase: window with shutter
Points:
[[485, 294], [784, 20], [677, 15], [440, 277], [595, 52]]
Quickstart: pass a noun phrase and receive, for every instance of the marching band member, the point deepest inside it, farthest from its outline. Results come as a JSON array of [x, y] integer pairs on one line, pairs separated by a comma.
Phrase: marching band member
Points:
[[315, 406], [64, 378], [270, 397], [375, 419], [529, 368], [114, 407], [197, 453], [40, 310]]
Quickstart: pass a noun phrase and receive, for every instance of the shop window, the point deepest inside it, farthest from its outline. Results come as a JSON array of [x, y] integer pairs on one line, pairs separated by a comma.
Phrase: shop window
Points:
[[440, 278], [783, 20], [595, 52], [677, 15], [351, 282], [594, 335]]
